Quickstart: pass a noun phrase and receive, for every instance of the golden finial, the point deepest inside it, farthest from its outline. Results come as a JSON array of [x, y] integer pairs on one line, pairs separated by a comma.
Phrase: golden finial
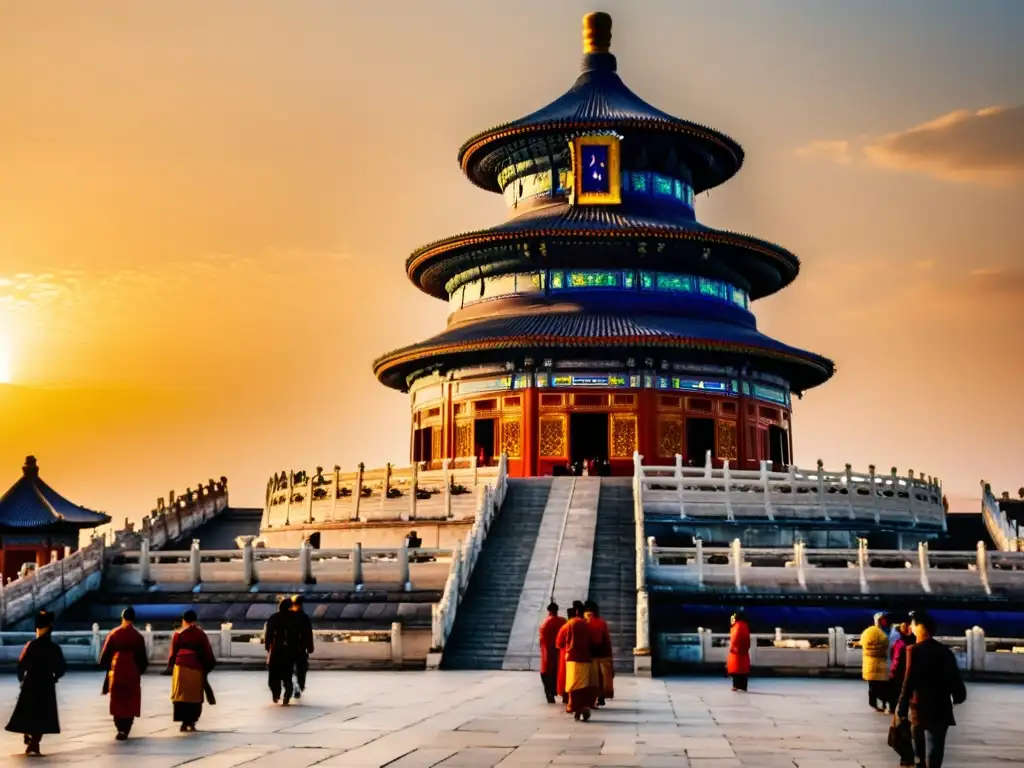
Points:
[[597, 32]]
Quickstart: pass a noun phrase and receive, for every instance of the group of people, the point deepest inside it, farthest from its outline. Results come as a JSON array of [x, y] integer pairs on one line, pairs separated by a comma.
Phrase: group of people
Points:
[[576, 658], [914, 678], [288, 641]]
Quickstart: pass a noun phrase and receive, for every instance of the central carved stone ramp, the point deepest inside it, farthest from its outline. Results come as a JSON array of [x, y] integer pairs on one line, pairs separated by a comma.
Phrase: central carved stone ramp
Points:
[[613, 574], [560, 565], [483, 622]]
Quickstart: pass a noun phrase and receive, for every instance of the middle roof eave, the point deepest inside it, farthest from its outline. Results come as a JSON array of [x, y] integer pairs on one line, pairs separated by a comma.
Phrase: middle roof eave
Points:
[[604, 222]]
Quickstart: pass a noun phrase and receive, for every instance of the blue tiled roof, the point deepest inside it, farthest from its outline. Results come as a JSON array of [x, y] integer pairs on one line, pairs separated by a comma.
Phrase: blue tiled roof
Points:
[[572, 330], [599, 100], [31, 503]]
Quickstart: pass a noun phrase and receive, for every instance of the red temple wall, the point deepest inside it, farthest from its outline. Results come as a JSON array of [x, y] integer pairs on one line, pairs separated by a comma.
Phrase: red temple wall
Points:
[[533, 427]]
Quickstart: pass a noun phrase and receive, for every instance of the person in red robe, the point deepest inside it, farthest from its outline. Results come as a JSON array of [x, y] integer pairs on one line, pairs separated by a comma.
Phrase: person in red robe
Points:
[[189, 662], [601, 647], [738, 663], [125, 659], [560, 641], [579, 672], [550, 662]]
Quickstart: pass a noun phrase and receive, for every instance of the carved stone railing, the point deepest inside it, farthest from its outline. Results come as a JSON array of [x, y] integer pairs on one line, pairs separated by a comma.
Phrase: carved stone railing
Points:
[[251, 568], [177, 519], [1005, 534], [332, 647], [464, 560], [53, 585], [388, 493], [707, 494], [835, 651], [739, 569]]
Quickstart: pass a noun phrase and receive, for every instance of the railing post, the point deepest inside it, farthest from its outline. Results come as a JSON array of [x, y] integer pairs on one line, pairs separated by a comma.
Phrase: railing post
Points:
[[335, 484], [358, 491], [642, 651], [842, 648], [708, 468], [767, 490], [446, 468], [832, 647], [874, 494], [798, 555], [396, 643], [699, 556], [310, 479], [147, 638], [95, 647], [387, 485], [821, 490], [679, 484], [144, 563], [983, 567], [736, 555], [196, 561], [248, 564], [911, 493], [288, 501], [403, 566], [413, 492], [862, 564], [922, 562], [980, 649], [225, 641], [728, 498], [306, 564], [357, 566], [705, 639], [849, 491], [476, 471]]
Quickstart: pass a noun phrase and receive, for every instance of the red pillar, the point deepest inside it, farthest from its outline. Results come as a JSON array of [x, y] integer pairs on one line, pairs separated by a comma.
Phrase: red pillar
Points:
[[530, 417]]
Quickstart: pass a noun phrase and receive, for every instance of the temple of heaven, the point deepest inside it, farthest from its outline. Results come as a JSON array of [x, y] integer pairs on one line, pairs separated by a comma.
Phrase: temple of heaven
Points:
[[601, 318], [37, 523]]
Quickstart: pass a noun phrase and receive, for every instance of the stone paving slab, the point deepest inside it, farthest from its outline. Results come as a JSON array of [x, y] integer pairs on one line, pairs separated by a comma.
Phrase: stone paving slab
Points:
[[474, 719]]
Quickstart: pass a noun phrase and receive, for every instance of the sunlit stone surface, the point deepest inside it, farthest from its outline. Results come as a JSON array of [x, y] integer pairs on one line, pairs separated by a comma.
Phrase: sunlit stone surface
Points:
[[499, 718]]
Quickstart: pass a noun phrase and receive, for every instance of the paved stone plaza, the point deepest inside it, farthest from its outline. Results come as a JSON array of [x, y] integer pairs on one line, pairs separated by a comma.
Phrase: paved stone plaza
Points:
[[419, 719]]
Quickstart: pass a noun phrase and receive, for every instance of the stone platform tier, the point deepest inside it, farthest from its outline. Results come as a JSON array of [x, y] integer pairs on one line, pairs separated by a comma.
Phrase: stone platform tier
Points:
[[378, 507], [835, 573], [767, 508]]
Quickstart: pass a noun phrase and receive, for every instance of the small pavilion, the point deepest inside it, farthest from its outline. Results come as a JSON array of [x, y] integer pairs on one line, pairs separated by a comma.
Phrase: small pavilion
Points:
[[36, 522]]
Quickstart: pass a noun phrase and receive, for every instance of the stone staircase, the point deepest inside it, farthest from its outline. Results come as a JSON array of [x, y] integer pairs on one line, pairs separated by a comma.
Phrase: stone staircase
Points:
[[483, 623], [613, 572]]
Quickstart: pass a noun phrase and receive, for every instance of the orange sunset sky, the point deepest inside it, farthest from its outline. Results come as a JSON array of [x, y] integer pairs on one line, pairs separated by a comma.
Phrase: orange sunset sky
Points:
[[205, 210]]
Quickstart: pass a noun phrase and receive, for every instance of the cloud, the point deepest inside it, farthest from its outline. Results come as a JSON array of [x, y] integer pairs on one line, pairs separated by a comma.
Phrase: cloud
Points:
[[982, 147], [837, 151]]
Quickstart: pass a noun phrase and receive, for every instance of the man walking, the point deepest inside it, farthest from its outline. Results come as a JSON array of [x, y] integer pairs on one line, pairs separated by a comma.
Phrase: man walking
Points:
[[874, 646], [931, 687], [304, 628], [125, 660], [549, 653], [281, 640]]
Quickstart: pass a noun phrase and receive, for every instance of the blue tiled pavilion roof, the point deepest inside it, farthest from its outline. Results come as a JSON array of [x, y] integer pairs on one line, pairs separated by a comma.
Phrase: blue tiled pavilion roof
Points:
[[30, 504], [600, 101], [566, 221], [575, 330]]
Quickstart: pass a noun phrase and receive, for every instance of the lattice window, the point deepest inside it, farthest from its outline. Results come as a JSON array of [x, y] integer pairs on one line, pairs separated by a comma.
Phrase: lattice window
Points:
[[624, 437], [512, 438], [552, 437], [670, 437], [727, 440], [436, 450], [464, 439]]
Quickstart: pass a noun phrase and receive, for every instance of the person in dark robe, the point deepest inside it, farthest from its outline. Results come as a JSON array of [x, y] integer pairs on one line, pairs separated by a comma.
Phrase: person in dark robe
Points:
[[737, 664], [549, 654], [579, 672], [281, 640], [560, 640], [931, 687], [189, 662], [125, 659], [601, 648], [304, 627], [40, 666]]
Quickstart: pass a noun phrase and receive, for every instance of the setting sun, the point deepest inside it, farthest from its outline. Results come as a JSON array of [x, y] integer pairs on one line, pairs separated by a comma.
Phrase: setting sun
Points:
[[6, 364]]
